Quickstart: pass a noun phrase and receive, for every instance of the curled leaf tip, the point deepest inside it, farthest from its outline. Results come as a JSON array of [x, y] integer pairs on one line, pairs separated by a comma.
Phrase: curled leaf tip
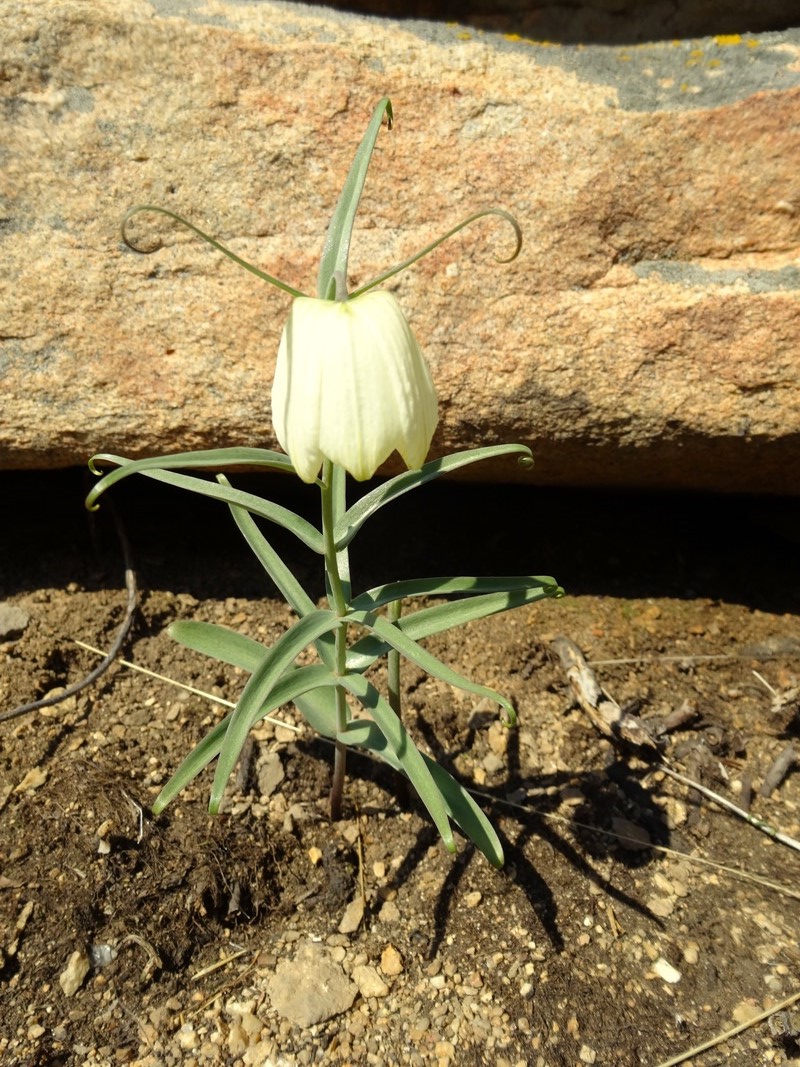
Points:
[[509, 715], [205, 237], [517, 233], [525, 461], [501, 212], [124, 231]]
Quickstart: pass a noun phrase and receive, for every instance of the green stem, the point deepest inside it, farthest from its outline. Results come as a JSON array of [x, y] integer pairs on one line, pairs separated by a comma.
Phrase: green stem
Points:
[[393, 666], [402, 791], [330, 505]]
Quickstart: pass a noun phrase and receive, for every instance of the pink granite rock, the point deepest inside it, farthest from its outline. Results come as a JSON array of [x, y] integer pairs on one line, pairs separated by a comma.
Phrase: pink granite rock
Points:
[[647, 335]]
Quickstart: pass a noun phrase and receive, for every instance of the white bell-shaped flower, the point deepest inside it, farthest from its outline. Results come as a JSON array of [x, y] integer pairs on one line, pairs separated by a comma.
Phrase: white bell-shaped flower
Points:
[[351, 385]]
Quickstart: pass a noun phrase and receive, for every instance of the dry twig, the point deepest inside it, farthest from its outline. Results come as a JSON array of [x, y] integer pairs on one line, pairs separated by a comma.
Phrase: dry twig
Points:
[[602, 709]]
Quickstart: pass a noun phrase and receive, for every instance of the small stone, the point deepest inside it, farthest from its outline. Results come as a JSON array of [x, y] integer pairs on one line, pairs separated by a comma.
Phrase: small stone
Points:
[[310, 988], [270, 774], [237, 1040], [492, 763], [389, 913], [13, 620], [473, 899], [71, 978], [661, 906], [665, 971], [633, 837], [587, 1054], [745, 1011], [691, 952], [35, 1031], [35, 777], [677, 812], [315, 856], [369, 982], [251, 1024], [353, 914], [497, 736], [663, 884], [187, 1038], [259, 1054], [391, 961]]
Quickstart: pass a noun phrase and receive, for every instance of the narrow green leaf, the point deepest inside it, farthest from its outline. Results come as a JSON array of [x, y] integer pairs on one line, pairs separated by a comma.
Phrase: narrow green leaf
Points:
[[258, 689], [209, 459], [284, 579], [281, 516], [392, 635], [440, 617], [296, 685], [353, 519], [406, 752], [336, 250], [198, 759], [459, 804], [281, 575], [466, 813], [318, 706], [385, 594], [206, 237], [445, 237], [219, 642]]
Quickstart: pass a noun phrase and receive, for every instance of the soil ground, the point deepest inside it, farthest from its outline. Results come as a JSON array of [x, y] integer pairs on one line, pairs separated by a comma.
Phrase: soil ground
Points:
[[634, 918]]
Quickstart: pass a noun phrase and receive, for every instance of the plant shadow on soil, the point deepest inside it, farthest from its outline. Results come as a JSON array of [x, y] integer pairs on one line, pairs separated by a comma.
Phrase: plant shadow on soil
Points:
[[650, 579]]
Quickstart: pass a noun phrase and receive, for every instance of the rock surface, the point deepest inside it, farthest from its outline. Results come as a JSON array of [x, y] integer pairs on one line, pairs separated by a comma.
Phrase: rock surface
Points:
[[647, 335]]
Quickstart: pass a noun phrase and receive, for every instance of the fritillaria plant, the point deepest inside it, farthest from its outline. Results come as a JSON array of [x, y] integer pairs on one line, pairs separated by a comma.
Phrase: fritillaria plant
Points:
[[351, 386]]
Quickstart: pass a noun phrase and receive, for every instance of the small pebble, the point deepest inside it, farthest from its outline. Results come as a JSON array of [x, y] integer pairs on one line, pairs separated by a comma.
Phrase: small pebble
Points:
[[691, 952], [369, 982], [664, 969], [187, 1038], [661, 906], [391, 961], [71, 978], [13, 620], [353, 914], [745, 1011]]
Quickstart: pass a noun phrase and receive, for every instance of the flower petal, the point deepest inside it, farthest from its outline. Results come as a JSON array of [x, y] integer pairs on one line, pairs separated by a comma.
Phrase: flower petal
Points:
[[351, 385]]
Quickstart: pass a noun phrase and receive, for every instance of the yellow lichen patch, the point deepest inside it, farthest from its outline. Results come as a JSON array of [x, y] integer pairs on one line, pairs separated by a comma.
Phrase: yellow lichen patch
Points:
[[725, 39]]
